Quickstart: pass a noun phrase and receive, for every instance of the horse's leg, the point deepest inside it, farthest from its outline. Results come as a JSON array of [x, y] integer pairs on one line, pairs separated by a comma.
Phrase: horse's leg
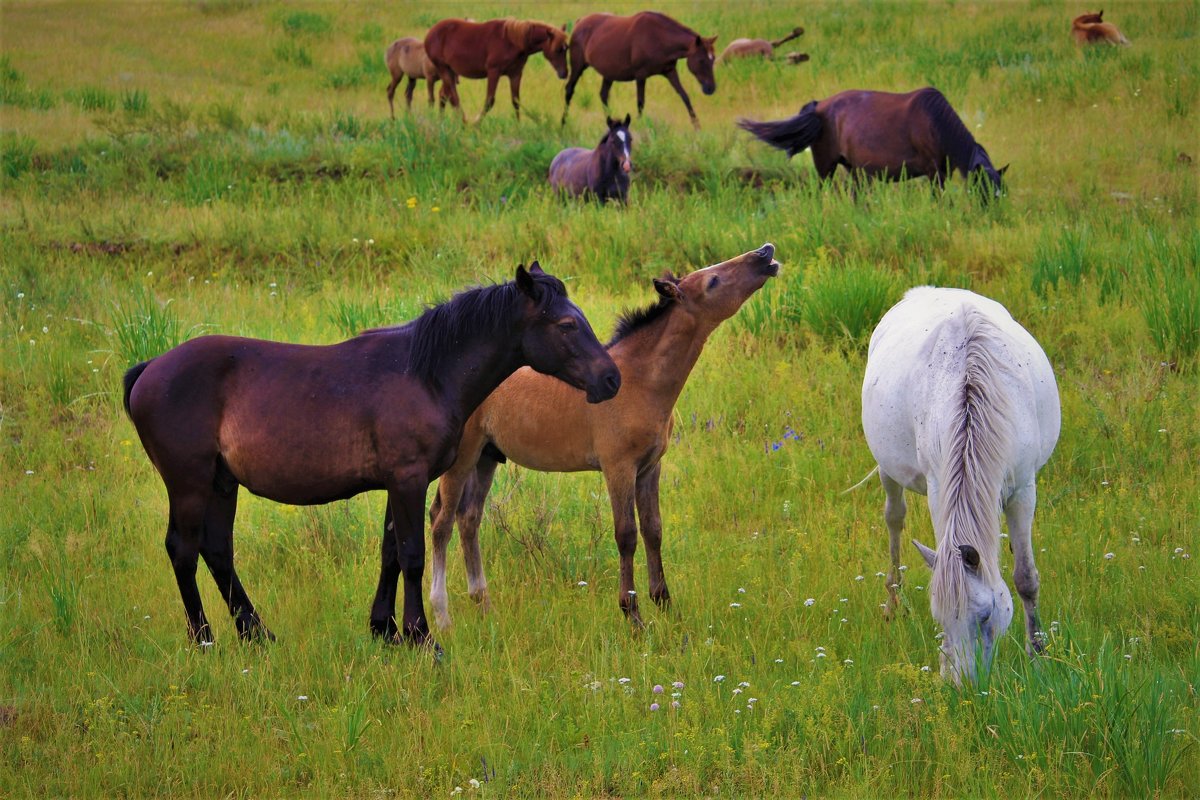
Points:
[[493, 79], [470, 514], [441, 521], [185, 530], [429, 82], [514, 88], [217, 551], [383, 610], [1019, 513], [407, 500], [673, 77], [392, 95], [408, 93], [641, 94], [650, 521], [605, 88], [621, 493], [577, 68], [894, 511]]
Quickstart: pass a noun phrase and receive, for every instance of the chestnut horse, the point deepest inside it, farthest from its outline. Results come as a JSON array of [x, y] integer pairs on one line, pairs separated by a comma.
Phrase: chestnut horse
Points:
[[883, 135], [545, 426], [636, 48], [1092, 29], [459, 47], [603, 172], [406, 59], [306, 425], [761, 48]]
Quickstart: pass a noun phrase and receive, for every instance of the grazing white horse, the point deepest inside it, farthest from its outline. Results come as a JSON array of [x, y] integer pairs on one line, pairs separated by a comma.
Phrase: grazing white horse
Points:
[[960, 404]]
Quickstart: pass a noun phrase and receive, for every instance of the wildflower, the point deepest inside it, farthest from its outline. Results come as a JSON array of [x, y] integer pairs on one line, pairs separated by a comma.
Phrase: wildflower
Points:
[[744, 684], [848, 661], [1109, 556], [809, 602], [820, 655], [411, 202], [718, 678], [678, 684], [795, 683], [674, 704], [435, 209], [916, 700], [246, 672], [735, 605], [779, 661], [820, 649], [879, 575], [654, 706], [925, 668], [658, 689], [456, 790], [858, 577], [741, 590], [473, 783], [303, 698], [581, 583], [622, 681]]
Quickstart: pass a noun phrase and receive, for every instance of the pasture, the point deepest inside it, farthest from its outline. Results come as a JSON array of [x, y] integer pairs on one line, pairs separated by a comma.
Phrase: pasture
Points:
[[174, 169]]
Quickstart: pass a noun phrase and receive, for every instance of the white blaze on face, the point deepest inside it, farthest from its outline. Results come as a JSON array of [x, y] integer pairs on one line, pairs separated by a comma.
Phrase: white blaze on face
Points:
[[624, 144]]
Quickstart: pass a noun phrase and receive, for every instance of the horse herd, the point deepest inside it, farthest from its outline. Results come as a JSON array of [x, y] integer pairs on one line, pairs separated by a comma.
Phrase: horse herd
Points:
[[959, 402]]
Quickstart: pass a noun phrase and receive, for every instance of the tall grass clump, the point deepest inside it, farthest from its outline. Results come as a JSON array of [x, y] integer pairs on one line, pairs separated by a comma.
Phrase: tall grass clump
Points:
[[135, 101], [1169, 297], [15, 92], [306, 23], [143, 328], [289, 51], [844, 301], [92, 98], [1060, 258]]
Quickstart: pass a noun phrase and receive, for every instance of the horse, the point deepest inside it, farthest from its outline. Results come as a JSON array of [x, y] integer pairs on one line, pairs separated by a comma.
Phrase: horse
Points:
[[761, 48], [1092, 29], [459, 47], [883, 135], [636, 48], [307, 425], [602, 172], [959, 403], [547, 427], [406, 59]]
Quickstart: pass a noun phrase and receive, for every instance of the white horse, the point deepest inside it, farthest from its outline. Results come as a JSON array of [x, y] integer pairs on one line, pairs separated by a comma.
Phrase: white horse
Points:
[[960, 404]]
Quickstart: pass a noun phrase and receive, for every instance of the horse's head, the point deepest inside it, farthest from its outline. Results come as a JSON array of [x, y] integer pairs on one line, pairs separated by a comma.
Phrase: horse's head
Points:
[[988, 179], [973, 606], [1088, 19], [554, 47], [714, 294], [700, 59], [617, 143], [557, 339]]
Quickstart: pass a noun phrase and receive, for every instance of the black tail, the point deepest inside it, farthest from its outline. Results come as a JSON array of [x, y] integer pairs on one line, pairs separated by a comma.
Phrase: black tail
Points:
[[131, 376], [793, 135]]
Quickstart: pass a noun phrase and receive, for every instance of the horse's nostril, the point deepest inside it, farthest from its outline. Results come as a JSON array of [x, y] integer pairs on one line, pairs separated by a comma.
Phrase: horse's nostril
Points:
[[612, 382], [766, 251]]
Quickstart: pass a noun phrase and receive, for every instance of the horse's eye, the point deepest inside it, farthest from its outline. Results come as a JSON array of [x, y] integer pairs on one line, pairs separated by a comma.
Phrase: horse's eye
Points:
[[567, 326], [713, 281]]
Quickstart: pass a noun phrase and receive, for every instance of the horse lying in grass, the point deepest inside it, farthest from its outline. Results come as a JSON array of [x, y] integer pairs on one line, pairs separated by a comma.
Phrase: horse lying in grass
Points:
[[542, 425], [494, 49], [959, 403], [761, 48], [406, 59], [603, 172], [884, 135], [306, 425], [1092, 29]]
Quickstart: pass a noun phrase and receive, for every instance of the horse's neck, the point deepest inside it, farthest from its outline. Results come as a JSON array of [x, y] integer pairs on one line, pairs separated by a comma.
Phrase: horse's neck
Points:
[[661, 356], [603, 169], [475, 368]]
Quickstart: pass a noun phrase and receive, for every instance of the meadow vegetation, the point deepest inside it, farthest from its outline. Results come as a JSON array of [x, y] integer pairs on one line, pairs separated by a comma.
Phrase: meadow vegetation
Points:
[[174, 169]]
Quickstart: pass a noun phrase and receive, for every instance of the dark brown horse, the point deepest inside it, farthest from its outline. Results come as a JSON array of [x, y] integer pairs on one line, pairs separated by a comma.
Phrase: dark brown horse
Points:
[[1092, 29], [883, 135], [636, 48], [499, 47], [406, 59], [306, 425], [602, 173], [545, 426]]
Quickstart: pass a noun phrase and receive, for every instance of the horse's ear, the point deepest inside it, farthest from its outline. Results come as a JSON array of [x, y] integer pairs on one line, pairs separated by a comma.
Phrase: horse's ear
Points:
[[612, 123], [970, 556], [926, 553], [668, 286], [627, 120], [525, 282], [709, 41], [1003, 170], [535, 268]]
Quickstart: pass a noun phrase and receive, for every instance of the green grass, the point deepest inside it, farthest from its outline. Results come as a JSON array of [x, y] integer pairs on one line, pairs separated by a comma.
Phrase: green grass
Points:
[[228, 166]]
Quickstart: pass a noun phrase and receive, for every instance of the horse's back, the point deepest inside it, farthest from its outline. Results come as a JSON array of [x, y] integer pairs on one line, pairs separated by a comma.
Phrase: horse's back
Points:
[[747, 48], [568, 170], [916, 367]]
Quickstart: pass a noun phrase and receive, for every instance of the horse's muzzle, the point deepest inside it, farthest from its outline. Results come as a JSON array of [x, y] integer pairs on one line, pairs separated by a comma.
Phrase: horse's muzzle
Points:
[[709, 88], [606, 387], [626, 167], [767, 253]]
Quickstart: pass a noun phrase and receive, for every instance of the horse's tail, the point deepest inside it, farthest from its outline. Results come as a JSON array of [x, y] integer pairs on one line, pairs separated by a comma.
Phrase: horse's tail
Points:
[[792, 135], [131, 376], [796, 32], [974, 460]]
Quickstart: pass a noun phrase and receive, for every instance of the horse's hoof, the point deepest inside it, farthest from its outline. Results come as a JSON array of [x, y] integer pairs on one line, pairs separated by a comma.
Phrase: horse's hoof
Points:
[[385, 630]]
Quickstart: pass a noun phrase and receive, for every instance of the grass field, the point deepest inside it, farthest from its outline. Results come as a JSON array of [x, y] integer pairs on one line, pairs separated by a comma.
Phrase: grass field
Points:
[[173, 169]]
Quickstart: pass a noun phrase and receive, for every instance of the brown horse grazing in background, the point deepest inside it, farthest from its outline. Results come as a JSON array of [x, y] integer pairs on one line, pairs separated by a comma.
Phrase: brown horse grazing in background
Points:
[[306, 425], [761, 48], [543, 425], [636, 48], [603, 172], [883, 135], [406, 59], [458, 47], [1092, 29]]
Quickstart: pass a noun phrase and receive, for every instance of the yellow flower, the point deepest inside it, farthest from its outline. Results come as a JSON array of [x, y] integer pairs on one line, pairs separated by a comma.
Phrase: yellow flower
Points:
[[411, 202], [435, 209]]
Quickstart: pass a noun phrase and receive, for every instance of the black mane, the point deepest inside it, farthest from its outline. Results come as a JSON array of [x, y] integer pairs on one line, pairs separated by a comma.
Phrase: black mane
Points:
[[635, 319], [953, 135], [484, 312]]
